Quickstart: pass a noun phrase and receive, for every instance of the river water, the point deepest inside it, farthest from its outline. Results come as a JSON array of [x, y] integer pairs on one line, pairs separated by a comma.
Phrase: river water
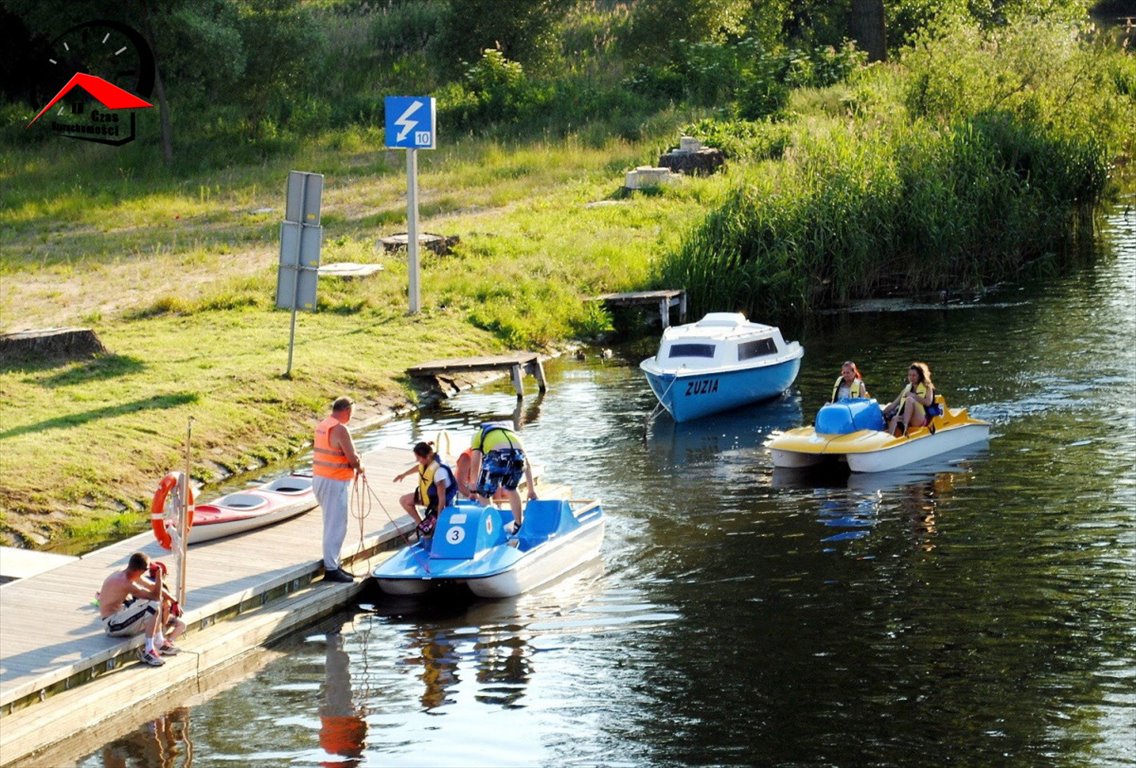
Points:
[[976, 612]]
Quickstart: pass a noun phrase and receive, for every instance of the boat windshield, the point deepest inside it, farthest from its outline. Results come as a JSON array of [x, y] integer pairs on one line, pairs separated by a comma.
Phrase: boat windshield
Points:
[[691, 350], [757, 348]]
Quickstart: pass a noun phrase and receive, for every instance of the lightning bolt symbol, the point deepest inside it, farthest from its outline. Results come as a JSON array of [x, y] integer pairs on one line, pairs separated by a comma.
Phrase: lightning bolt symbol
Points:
[[405, 122]]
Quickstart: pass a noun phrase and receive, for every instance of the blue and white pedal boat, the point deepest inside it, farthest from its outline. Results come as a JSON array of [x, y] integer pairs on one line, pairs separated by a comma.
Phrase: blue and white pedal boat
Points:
[[723, 361], [470, 547]]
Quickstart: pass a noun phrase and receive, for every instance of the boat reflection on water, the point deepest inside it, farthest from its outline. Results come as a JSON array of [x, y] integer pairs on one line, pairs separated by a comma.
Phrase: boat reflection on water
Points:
[[852, 503], [716, 437], [453, 634]]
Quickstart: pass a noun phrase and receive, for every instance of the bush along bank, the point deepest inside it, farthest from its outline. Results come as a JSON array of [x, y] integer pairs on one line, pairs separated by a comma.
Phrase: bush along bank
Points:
[[983, 166]]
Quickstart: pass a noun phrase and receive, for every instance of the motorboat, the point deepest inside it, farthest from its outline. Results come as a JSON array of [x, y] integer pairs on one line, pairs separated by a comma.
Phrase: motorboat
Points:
[[853, 431], [723, 361], [233, 513], [471, 548]]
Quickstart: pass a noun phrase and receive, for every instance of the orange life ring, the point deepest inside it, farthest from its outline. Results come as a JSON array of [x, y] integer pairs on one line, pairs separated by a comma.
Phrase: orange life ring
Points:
[[158, 519]]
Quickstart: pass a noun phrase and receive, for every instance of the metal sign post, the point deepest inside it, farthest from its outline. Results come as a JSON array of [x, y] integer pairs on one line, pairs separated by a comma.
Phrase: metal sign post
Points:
[[300, 238], [184, 521], [410, 125], [412, 228]]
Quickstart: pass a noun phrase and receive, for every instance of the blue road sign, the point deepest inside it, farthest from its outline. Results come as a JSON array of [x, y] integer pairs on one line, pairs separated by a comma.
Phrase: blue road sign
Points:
[[409, 122]]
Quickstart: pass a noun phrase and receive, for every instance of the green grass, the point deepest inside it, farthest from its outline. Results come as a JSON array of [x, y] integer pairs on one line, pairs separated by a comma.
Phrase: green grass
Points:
[[175, 269], [177, 276]]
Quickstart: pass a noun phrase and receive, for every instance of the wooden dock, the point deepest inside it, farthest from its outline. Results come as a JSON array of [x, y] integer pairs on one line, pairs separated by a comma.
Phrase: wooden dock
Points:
[[60, 674], [665, 300], [516, 363]]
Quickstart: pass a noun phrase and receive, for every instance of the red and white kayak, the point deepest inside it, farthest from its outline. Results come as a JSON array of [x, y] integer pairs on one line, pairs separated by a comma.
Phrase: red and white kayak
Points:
[[236, 512]]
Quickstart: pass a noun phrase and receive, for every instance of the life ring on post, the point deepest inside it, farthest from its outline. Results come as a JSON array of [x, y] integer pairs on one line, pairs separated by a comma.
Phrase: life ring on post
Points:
[[159, 521]]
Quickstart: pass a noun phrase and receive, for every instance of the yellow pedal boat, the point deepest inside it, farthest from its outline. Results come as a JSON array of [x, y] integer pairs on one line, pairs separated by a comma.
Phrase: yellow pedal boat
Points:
[[852, 431]]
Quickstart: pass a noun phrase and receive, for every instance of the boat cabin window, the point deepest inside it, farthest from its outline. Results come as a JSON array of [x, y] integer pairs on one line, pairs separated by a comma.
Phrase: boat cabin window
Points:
[[759, 348], [691, 350]]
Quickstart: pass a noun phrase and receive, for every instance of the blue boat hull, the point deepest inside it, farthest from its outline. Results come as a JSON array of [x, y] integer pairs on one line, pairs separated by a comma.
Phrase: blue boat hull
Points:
[[470, 548], [693, 395]]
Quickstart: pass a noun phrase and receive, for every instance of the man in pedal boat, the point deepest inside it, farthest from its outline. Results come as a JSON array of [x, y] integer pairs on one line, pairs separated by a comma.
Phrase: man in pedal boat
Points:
[[498, 461]]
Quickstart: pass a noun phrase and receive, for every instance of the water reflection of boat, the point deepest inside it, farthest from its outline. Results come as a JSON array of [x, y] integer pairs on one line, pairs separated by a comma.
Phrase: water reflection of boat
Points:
[[838, 475], [449, 636], [952, 463], [717, 434], [470, 547], [721, 362]]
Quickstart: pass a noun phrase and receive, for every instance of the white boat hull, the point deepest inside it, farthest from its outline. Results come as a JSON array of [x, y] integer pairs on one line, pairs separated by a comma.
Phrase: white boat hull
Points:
[[253, 508], [210, 531], [470, 549], [873, 450], [918, 450], [533, 572]]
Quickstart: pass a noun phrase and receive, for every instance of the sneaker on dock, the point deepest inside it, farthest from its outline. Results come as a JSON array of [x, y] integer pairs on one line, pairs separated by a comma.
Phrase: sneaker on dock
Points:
[[147, 657], [168, 649]]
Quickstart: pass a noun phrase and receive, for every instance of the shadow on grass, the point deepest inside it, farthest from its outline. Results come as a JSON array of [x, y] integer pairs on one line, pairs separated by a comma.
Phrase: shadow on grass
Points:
[[99, 369], [77, 419], [101, 366]]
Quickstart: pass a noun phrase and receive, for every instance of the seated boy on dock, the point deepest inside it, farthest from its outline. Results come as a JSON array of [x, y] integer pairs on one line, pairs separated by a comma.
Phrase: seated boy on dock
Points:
[[134, 600]]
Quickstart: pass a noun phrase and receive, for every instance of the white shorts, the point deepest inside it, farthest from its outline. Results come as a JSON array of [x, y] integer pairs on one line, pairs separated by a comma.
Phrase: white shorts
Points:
[[131, 618]]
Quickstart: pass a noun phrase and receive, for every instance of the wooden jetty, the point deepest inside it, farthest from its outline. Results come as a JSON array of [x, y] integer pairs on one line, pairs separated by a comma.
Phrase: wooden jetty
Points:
[[61, 675], [516, 363], [664, 299], [18, 563]]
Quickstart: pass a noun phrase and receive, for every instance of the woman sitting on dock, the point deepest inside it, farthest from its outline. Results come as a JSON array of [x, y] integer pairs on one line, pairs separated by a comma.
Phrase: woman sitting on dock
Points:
[[435, 482]]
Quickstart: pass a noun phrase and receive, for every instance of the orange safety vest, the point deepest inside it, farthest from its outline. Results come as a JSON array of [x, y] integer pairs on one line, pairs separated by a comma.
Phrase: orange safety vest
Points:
[[329, 461]]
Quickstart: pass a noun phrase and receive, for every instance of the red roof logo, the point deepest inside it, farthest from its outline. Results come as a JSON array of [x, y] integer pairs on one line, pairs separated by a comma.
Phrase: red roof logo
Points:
[[108, 94]]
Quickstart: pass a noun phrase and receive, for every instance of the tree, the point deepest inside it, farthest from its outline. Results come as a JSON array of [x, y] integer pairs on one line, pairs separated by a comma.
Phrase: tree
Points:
[[868, 28], [522, 30], [656, 24]]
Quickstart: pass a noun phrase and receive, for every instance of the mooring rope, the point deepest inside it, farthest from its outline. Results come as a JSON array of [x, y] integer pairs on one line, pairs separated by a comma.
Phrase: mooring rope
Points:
[[655, 410], [383, 507], [360, 509]]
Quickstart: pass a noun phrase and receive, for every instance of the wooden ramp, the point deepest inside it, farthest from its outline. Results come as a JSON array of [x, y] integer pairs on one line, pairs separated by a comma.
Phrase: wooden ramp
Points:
[[516, 363], [664, 300], [60, 674]]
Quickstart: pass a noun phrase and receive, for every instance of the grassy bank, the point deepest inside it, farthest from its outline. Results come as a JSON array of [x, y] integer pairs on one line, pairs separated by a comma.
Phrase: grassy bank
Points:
[[982, 152], [175, 269], [178, 277]]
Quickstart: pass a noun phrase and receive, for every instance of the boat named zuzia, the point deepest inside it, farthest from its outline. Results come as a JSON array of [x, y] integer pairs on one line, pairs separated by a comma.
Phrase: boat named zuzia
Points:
[[852, 431], [723, 361], [470, 547]]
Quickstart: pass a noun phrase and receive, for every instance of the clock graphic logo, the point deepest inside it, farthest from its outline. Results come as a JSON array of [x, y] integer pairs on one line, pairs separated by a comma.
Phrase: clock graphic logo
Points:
[[104, 70]]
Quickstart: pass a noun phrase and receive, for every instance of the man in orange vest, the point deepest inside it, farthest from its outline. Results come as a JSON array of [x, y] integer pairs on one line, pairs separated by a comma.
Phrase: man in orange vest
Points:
[[335, 465]]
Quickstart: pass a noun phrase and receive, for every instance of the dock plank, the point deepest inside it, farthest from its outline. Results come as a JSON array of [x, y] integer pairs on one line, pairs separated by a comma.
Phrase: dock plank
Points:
[[664, 299], [516, 363], [36, 652]]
